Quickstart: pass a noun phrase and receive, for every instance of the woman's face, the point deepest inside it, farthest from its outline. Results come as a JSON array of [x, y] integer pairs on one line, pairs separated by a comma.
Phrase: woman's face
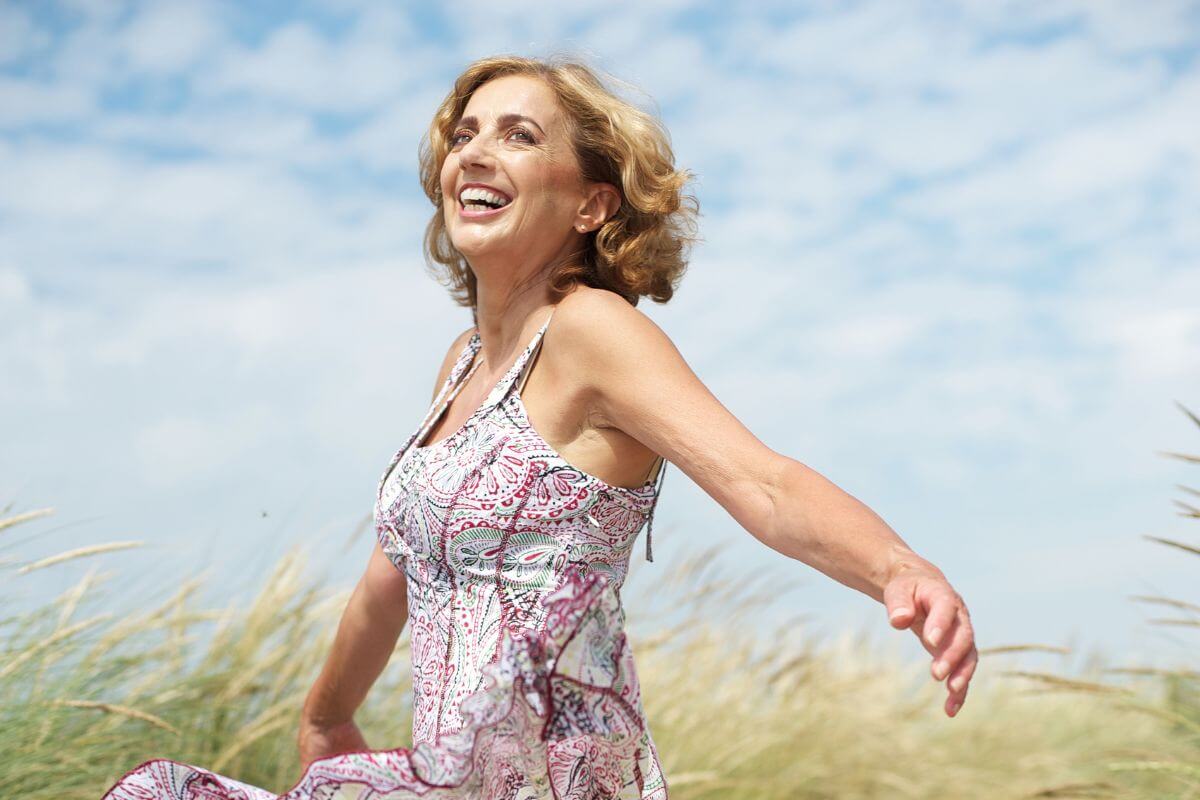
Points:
[[512, 141]]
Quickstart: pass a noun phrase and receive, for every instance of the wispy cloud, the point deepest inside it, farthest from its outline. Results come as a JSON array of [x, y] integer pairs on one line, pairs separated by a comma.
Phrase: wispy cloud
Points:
[[950, 252]]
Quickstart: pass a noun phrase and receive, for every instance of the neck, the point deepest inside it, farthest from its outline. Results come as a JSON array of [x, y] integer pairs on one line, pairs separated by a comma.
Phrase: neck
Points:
[[511, 297], [506, 315], [502, 314]]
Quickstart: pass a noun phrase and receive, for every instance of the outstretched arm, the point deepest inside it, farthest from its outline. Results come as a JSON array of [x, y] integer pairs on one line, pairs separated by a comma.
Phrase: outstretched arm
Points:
[[644, 387], [816, 522]]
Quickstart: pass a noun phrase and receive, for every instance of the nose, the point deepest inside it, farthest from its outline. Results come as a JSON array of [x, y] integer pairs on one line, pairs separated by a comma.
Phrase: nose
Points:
[[477, 151]]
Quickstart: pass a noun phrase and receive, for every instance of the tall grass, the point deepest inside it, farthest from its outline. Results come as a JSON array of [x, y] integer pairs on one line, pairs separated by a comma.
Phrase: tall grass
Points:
[[85, 696], [1169, 764]]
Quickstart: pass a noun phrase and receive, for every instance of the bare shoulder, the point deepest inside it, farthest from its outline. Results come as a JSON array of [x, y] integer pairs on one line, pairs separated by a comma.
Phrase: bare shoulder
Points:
[[598, 326], [603, 342], [456, 348], [639, 384]]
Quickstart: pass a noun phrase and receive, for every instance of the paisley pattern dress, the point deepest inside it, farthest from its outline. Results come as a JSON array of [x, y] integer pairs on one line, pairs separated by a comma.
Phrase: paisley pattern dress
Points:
[[524, 683]]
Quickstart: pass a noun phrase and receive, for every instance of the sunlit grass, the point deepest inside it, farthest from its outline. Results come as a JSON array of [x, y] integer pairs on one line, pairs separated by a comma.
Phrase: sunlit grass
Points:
[[736, 713], [85, 696]]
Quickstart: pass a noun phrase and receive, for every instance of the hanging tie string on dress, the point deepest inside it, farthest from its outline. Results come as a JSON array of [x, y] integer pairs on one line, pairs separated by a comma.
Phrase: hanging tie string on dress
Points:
[[650, 517], [519, 386]]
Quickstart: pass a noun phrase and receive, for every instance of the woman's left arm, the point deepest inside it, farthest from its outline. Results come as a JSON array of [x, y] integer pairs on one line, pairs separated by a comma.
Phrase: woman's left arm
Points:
[[649, 392]]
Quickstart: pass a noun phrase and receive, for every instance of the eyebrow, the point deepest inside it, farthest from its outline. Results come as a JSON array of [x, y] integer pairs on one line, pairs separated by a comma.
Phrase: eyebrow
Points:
[[504, 119]]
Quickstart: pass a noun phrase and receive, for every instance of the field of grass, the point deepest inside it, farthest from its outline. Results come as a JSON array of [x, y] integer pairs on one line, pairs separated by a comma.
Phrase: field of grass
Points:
[[85, 696]]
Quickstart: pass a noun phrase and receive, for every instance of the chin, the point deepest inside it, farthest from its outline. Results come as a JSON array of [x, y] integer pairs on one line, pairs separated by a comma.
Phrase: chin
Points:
[[473, 246], [464, 240]]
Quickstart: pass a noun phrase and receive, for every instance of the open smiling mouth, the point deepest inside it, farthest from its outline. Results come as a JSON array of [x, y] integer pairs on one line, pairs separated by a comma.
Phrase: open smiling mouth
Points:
[[476, 202]]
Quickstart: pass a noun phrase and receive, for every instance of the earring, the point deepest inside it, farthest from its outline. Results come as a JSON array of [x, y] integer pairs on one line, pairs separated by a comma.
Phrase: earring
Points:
[[581, 227]]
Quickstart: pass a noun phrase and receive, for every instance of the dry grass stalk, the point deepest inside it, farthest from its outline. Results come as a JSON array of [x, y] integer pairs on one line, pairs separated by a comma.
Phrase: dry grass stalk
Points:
[[1023, 648], [113, 708], [273, 719], [25, 517], [1187, 623], [1166, 601], [79, 552], [1092, 789], [1059, 682], [1161, 673], [1181, 456], [49, 642], [1156, 766], [70, 599], [1187, 548]]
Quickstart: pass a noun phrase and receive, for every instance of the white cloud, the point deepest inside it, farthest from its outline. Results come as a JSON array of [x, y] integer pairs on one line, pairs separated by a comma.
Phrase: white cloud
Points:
[[19, 37], [1165, 24], [282, 136], [159, 215], [28, 102], [298, 66], [14, 288], [176, 450], [1107, 154], [167, 37], [950, 251]]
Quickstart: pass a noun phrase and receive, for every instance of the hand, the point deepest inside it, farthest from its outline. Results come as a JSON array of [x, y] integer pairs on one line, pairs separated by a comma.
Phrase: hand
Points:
[[919, 597], [318, 741]]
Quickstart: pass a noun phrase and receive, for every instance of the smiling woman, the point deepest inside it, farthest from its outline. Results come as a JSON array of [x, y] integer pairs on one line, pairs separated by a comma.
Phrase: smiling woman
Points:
[[506, 521], [591, 135]]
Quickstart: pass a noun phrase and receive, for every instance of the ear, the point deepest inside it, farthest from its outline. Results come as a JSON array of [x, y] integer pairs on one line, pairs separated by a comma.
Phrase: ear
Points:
[[602, 201]]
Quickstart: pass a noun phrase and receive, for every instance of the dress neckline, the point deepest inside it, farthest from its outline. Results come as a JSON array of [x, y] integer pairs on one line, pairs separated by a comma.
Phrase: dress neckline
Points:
[[648, 490], [459, 378]]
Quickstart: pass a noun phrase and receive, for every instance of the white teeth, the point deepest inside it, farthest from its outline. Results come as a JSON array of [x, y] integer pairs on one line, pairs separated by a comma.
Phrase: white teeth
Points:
[[475, 193]]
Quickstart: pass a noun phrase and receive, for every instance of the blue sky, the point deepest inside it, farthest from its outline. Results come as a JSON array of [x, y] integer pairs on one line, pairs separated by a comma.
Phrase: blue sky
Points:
[[950, 261]]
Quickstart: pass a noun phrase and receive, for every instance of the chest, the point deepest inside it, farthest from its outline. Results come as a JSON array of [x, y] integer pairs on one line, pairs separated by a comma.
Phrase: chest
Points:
[[496, 505]]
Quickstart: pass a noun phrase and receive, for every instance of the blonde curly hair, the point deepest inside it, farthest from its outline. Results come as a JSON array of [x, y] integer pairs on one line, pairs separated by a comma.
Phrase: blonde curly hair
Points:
[[643, 249]]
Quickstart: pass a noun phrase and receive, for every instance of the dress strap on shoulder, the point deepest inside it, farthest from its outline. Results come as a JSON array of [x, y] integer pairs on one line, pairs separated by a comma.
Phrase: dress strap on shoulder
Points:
[[453, 382], [466, 358], [518, 371], [534, 348]]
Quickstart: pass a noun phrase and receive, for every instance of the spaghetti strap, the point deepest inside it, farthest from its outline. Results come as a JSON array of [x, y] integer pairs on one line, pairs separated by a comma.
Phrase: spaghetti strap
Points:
[[662, 470], [431, 414], [656, 470], [524, 364], [455, 380], [458, 377], [430, 421]]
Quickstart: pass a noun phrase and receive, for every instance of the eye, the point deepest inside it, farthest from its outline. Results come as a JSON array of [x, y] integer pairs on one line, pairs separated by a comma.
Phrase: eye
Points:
[[454, 139], [528, 136]]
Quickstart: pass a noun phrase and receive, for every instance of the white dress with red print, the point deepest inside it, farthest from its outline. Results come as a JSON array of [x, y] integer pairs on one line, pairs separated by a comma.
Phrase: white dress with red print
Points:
[[524, 684]]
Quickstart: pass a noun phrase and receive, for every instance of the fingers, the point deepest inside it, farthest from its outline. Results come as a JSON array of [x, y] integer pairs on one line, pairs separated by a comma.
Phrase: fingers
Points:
[[935, 612], [957, 662], [959, 681], [942, 615], [957, 644], [899, 598], [954, 702], [962, 674]]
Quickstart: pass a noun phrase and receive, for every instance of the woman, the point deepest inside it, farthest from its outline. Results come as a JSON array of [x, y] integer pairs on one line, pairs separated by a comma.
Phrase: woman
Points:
[[507, 520]]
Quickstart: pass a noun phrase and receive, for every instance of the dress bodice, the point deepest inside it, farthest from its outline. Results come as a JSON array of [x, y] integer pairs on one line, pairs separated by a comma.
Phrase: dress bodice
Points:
[[485, 523]]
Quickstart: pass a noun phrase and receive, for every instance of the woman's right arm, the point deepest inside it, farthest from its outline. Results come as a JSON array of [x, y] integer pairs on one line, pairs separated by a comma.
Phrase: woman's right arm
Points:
[[366, 637]]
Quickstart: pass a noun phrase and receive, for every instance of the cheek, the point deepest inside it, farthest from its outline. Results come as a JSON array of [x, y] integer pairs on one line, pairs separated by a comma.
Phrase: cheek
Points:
[[556, 188], [449, 170]]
